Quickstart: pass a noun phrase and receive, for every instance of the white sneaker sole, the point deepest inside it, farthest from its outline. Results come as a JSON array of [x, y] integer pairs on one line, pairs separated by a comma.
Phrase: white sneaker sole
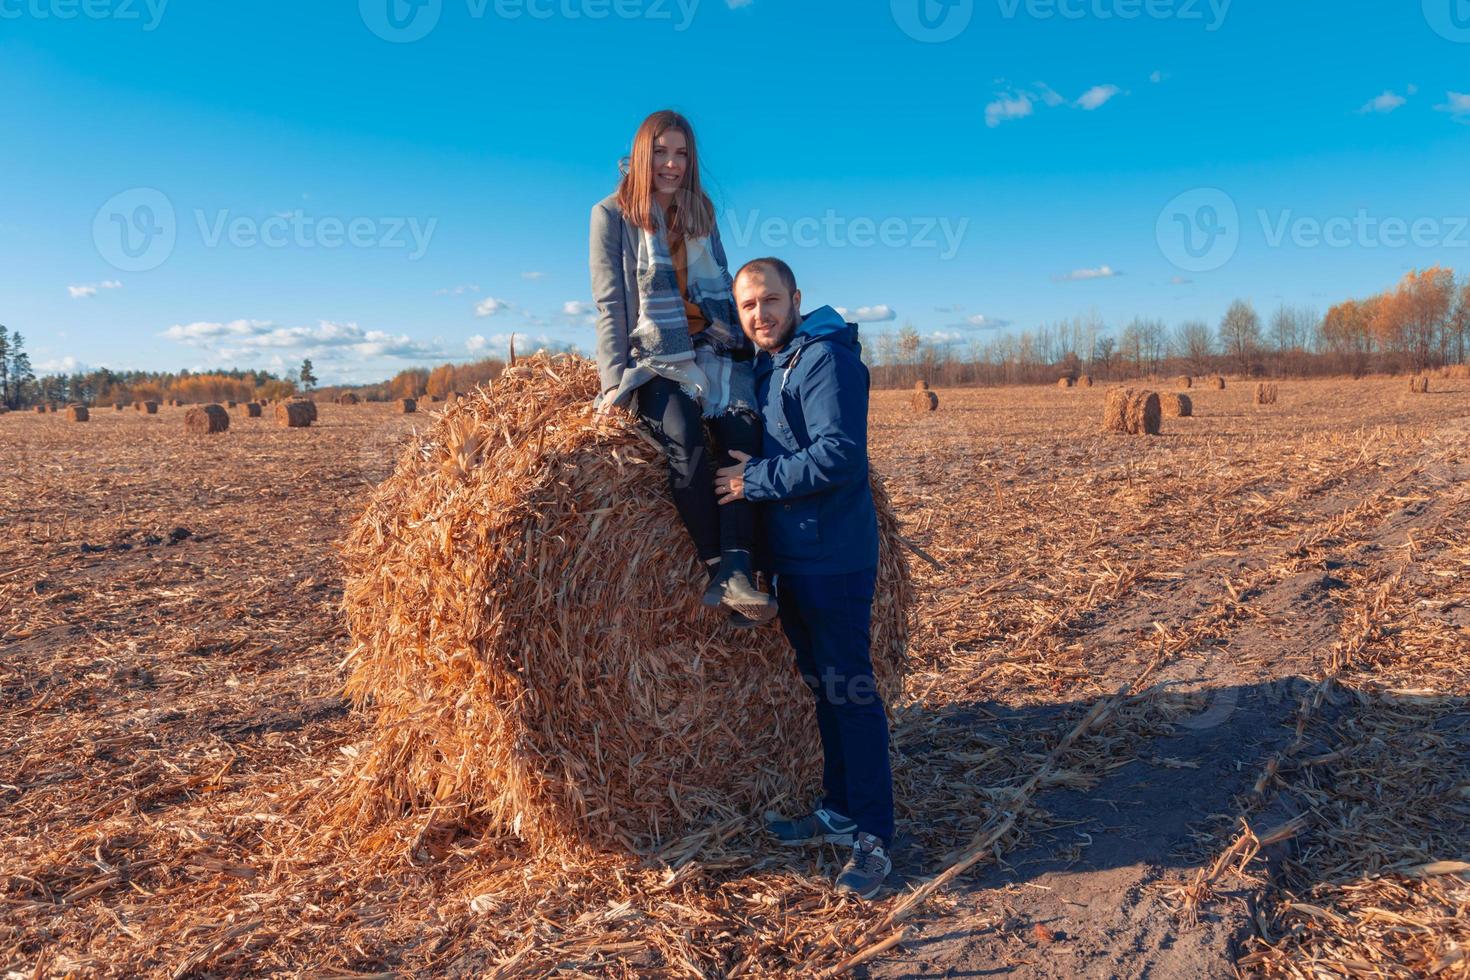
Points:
[[844, 839]]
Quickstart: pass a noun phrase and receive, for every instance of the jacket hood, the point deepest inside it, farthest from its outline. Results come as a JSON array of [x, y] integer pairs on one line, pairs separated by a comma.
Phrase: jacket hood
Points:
[[823, 324]]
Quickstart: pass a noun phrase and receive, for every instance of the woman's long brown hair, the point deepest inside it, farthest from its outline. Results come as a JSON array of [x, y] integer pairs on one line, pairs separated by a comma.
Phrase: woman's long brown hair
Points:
[[694, 214]]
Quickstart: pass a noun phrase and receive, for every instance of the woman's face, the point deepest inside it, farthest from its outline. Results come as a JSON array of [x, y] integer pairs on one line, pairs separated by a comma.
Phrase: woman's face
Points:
[[670, 162]]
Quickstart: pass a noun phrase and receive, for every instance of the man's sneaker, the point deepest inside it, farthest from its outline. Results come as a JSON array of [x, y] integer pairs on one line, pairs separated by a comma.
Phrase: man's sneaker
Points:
[[869, 865], [820, 827]]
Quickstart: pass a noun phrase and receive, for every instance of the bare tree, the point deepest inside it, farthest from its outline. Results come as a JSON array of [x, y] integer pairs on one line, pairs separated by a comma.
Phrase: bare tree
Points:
[[1194, 342], [1240, 334]]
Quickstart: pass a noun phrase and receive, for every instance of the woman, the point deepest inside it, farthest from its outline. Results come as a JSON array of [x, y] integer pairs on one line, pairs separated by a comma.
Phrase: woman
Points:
[[670, 347]]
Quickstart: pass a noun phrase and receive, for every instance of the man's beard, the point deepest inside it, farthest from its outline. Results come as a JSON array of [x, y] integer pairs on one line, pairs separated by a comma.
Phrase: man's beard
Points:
[[784, 335]]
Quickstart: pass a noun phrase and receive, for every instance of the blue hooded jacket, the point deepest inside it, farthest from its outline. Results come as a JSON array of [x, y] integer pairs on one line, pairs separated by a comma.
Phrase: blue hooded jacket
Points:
[[813, 480]]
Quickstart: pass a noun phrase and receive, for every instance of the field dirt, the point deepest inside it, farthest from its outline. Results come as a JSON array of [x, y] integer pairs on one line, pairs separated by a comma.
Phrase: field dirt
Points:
[[1185, 705]]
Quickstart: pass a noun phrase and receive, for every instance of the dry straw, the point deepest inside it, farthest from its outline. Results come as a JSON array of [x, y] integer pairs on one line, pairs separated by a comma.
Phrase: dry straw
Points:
[[1066, 382], [204, 420], [1176, 405], [77, 413], [1419, 384], [252, 410], [1266, 393], [293, 415], [1185, 381], [118, 406], [529, 642], [923, 401], [921, 385], [408, 406], [347, 399], [1085, 381], [148, 408], [1132, 411], [1218, 383]]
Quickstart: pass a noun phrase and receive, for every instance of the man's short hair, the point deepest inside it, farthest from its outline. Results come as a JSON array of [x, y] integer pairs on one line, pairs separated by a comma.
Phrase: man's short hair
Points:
[[771, 265]]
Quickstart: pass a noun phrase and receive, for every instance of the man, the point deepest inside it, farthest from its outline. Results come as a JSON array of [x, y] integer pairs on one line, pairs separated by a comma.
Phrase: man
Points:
[[822, 530]]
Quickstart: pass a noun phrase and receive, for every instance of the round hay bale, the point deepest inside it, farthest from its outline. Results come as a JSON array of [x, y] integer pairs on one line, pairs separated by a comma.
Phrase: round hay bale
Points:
[[230, 404], [408, 405], [148, 408], [1185, 381], [1266, 393], [921, 385], [1419, 384], [308, 405], [40, 409], [1176, 405], [51, 408], [528, 640], [1067, 382], [1085, 381], [1132, 411], [252, 410], [293, 415], [1219, 383], [118, 406], [347, 399], [923, 400], [205, 420], [77, 413]]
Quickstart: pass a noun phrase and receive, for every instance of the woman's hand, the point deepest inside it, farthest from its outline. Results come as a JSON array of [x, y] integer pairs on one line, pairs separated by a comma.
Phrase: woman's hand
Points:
[[730, 481]]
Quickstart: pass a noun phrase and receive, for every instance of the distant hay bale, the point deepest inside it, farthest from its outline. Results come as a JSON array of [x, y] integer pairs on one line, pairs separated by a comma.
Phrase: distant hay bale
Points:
[[40, 409], [1067, 382], [204, 420], [293, 415], [77, 413], [1176, 405], [1132, 411], [1218, 383], [923, 400], [252, 410], [118, 406], [308, 404], [487, 706], [921, 385], [347, 399], [1266, 393], [408, 405], [1085, 381], [148, 408], [230, 404], [1419, 384], [1185, 381]]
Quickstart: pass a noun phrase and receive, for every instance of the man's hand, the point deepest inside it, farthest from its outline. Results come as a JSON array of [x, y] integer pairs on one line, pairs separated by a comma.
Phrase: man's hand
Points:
[[730, 481]]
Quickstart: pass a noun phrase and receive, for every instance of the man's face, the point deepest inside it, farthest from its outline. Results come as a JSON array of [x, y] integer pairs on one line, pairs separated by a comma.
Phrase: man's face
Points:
[[768, 313]]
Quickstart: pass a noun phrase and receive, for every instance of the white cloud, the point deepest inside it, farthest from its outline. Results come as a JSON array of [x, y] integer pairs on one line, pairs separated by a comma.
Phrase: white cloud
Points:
[[498, 345], [62, 365], [576, 307], [1383, 104], [90, 289], [457, 290], [326, 339], [1049, 95], [475, 344], [954, 308], [1082, 275], [981, 322], [872, 314], [1007, 108], [1457, 106], [489, 306], [1157, 77], [533, 276], [1180, 281], [1097, 97]]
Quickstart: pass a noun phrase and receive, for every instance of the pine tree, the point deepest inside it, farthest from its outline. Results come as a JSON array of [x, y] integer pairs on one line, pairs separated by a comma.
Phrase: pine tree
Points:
[[4, 366], [21, 374], [308, 380]]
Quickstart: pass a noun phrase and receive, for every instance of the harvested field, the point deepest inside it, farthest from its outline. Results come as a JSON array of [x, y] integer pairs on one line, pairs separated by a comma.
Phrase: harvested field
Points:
[[1154, 684]]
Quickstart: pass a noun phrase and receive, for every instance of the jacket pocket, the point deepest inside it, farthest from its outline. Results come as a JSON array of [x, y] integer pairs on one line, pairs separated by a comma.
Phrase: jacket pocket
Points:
[[799, 531]]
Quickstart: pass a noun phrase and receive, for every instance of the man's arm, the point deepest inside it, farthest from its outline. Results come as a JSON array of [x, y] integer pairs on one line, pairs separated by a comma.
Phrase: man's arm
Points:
[[834, 402]]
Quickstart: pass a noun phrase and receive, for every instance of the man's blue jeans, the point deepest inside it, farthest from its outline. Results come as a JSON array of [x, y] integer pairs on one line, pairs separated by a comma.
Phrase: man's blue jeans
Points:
[[828, 620]]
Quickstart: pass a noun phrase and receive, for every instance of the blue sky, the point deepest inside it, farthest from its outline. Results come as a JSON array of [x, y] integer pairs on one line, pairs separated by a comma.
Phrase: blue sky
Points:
[[293, 184]]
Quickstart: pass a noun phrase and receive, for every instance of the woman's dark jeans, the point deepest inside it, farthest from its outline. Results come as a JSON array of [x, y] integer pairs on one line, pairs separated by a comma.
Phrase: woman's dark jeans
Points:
[[675, 420]]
